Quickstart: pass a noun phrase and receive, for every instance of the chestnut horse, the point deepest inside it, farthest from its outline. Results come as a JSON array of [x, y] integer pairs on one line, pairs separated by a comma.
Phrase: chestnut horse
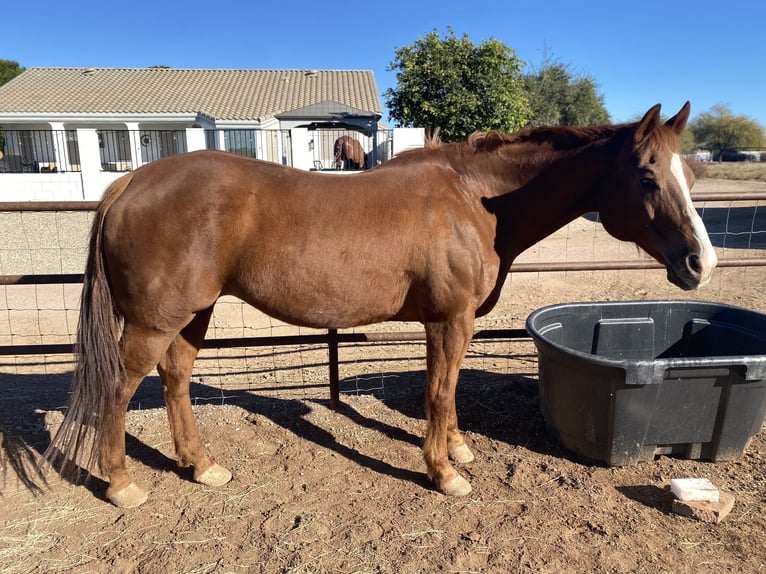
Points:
[[428, 236], [348, 153]]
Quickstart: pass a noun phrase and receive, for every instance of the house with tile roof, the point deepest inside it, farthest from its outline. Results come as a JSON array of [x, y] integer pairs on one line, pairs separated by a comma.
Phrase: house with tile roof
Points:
[[167, 97], [99, 122]]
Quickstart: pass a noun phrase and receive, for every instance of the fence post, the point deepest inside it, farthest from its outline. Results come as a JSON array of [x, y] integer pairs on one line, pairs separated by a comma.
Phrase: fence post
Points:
[[332, 344]]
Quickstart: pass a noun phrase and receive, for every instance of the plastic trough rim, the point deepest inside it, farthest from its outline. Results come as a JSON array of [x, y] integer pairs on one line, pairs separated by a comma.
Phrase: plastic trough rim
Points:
[[755, 364]]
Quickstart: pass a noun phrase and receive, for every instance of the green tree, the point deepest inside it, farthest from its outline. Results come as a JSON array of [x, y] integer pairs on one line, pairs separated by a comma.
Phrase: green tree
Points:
[[452, 84], [561, 98], [720, 129], [9, 70], [688, 143]]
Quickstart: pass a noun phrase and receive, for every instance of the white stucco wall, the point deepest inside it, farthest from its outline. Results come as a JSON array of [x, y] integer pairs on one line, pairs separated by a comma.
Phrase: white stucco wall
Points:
[[41, 187], [408, 138]]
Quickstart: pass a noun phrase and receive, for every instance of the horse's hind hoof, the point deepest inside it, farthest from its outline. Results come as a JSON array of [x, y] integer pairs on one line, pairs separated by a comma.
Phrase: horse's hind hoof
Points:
[[461, 454], [457, 486], [214, 476], [129, 497]]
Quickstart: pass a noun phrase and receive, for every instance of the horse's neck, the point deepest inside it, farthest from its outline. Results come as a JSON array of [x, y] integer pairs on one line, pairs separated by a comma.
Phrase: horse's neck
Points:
[[535, 197]]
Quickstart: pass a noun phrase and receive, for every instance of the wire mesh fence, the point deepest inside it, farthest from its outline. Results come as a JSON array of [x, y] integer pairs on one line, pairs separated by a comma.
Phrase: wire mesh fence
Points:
[[54, 243]]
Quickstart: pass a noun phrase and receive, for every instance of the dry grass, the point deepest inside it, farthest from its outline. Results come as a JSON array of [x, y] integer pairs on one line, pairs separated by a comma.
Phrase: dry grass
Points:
[[741, 170]]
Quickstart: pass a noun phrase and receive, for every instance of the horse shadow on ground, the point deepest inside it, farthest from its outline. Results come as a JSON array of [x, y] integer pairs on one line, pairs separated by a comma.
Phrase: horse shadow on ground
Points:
[[504, 407], [501, 407]]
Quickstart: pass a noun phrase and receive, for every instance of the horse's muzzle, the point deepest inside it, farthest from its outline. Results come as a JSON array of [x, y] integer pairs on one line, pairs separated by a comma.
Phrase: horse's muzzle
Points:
[[693, 271]]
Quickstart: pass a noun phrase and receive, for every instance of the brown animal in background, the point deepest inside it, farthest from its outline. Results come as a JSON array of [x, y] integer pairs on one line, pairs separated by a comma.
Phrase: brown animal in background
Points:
[[349, 153], [428, 236]]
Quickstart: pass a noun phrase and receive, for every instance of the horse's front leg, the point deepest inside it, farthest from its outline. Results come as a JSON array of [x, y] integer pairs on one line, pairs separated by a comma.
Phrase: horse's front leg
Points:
[[447, 343], [456, 447]]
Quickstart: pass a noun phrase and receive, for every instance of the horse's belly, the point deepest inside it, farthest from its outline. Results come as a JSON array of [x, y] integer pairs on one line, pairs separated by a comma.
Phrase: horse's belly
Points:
[[325, 304]]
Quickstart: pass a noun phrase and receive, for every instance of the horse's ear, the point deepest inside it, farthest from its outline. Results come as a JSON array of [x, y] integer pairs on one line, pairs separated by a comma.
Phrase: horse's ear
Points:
[[678, 121], [649, 122]]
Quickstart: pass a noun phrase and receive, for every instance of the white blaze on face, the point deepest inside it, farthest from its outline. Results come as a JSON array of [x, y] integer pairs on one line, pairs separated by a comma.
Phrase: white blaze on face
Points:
[[708, 258]]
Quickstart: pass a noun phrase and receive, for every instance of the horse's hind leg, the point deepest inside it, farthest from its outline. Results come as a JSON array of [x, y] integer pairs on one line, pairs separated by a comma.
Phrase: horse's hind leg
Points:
[[141, 349], [175, 370]]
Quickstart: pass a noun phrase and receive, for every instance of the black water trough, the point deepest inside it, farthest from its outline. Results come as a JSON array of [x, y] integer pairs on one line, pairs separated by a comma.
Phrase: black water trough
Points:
[[623, 382]]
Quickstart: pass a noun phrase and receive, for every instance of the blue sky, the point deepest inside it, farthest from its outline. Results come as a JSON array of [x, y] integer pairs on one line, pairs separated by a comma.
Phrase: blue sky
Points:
[[640, 52]]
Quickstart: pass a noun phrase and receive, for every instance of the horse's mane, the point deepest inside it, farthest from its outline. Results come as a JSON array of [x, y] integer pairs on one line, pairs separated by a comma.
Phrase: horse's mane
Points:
[[555, 137], [432, 138], [560, 138]]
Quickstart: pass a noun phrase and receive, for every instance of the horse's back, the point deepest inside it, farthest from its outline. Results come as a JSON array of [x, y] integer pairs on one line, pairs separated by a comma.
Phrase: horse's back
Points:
[[192, 227], [308, 248]]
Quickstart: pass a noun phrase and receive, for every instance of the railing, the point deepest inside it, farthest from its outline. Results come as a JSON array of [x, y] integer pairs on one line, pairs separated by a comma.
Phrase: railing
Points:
[[376, 148], [125, 150], [268, 145], [57, 151], [39, 151]]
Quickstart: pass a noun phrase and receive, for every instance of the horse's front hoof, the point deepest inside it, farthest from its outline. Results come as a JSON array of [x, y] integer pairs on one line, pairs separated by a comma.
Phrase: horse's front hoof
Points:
[[214, 476], [456, 486], [129, 497], [461, 454]]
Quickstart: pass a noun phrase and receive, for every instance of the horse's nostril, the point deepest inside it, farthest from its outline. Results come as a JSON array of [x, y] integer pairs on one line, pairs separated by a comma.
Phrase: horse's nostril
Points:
[[694, 264]]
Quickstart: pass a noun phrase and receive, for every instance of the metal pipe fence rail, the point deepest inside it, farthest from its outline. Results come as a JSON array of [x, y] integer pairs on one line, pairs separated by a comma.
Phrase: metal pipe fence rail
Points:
[[332, 338]]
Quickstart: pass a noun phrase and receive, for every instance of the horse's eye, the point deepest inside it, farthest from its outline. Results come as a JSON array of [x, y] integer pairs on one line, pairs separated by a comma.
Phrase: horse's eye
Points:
[[650, 184]]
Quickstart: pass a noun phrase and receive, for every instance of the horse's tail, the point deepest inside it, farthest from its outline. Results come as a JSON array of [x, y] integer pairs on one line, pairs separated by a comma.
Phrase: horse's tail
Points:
[[99, 369]]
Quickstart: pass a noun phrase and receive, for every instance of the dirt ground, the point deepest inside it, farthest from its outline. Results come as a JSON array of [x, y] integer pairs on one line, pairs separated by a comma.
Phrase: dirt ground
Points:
[[316, 490]]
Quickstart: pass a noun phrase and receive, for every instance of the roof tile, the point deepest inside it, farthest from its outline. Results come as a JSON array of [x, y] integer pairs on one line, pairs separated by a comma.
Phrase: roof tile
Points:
[[223, 94]]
